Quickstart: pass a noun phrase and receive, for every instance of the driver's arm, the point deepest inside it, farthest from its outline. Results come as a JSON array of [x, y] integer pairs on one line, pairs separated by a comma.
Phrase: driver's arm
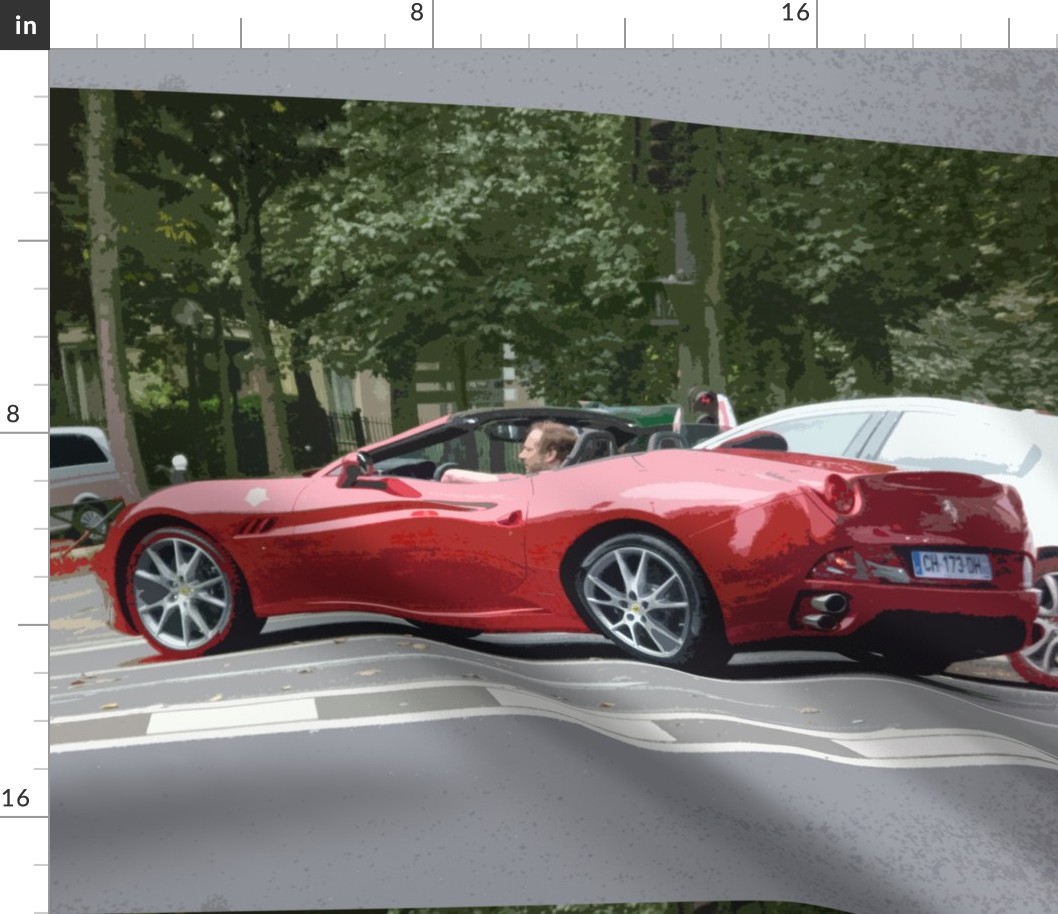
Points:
[[458, 475]]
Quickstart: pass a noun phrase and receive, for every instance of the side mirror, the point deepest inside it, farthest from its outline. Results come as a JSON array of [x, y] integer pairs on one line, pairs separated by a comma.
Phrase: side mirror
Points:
[[354, 466]]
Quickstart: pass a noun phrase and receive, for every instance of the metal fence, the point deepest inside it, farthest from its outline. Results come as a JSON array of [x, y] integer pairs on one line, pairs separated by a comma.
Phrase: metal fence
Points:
[[352, 430]]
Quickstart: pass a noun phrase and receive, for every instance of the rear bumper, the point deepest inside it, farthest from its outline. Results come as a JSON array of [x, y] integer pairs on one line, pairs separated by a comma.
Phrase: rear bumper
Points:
[[964, 622], [950, 635]]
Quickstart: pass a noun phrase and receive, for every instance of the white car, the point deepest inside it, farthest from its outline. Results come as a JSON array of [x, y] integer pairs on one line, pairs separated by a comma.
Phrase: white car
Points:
[[1010, 446], [85, 488]]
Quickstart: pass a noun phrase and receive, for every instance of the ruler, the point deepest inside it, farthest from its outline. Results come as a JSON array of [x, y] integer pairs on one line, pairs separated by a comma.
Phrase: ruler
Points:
[[386, 25], [547, 24]]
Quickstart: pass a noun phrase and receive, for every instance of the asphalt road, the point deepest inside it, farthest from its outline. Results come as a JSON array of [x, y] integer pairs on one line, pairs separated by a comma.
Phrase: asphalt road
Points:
[[355, 763]]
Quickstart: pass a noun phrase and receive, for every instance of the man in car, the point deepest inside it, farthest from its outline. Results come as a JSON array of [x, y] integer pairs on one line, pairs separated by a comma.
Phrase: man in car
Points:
[[545, 447]]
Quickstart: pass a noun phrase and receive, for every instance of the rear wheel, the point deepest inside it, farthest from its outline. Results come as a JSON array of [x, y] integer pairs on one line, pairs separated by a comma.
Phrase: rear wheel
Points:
[[648, 596], [1038, 663], [187, 595]]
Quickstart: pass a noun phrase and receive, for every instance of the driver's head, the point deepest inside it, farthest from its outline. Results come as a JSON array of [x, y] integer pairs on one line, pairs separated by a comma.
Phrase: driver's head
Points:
[[546, 446]]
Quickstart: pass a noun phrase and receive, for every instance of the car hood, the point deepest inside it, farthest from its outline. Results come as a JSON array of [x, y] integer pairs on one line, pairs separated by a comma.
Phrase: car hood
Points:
[[222, 496]]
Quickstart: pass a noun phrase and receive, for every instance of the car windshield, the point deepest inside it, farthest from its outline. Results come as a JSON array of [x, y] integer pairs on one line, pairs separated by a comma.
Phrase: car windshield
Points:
[[988, 447], [828, 435]]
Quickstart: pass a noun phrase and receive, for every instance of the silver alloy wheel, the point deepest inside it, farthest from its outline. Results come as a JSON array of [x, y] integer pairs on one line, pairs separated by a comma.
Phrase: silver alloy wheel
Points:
[[1042, 654], [641, 599], [182, 597]]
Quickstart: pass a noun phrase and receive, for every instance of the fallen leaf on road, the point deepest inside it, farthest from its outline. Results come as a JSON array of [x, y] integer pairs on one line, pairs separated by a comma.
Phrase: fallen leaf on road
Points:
[[216, 697], [367, 672], [307, 670], [77, 682], [339, 640], [109, 707], [606, 704]]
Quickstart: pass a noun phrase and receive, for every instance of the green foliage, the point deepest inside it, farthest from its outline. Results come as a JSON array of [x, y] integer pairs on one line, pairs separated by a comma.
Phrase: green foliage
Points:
[[509, 227], [165, 430], [850, 268]]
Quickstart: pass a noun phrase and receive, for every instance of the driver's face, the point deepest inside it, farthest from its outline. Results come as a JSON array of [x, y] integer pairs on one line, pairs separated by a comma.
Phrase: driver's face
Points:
[[531, 456]]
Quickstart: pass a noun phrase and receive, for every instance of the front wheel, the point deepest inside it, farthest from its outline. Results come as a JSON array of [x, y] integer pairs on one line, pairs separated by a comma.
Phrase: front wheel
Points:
[[187, 595], [647, 595], [1038, 663]]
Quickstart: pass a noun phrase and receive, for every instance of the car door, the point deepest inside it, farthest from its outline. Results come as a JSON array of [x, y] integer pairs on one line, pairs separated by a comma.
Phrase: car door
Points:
[[394, 544]]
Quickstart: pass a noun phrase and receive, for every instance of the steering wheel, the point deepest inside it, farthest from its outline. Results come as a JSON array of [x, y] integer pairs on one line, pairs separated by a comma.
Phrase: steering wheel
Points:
[[443, 468]]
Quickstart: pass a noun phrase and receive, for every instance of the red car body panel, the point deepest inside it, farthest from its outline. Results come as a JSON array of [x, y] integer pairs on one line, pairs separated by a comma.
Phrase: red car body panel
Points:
[[494, 555]]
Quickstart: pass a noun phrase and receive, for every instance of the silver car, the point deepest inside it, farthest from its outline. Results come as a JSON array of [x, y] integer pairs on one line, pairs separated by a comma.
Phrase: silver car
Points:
[[1019, 448], [85, 488]]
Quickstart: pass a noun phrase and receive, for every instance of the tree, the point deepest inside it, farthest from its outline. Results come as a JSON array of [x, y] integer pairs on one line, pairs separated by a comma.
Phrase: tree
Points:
[[101, 118], [492, 228], [249, 148], [688, 168]]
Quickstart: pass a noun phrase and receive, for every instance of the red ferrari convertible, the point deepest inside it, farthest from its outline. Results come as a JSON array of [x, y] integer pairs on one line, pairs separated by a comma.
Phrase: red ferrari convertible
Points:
[[678, 556]]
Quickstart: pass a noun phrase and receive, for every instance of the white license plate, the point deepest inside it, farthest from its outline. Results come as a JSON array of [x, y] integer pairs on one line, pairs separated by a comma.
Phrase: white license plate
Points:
[[952, 566]]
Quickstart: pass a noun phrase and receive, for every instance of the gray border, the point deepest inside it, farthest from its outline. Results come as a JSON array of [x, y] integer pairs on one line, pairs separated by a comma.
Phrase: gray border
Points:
[[1002, 101]]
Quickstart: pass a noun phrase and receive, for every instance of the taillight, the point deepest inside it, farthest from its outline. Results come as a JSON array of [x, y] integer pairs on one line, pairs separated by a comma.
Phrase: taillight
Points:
[[867, 563], [840, 493]]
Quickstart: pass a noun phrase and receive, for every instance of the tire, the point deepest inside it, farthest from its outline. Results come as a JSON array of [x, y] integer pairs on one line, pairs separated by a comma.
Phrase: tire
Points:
[[186, 596], [1038, 663], [649, 597], [91, 517]]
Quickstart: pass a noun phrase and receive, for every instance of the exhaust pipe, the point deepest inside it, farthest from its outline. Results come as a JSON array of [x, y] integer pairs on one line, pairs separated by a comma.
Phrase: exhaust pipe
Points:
[[833, 603], [823, 622]]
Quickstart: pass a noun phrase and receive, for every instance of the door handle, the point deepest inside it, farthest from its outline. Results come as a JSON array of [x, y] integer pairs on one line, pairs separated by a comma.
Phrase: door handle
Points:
[[511, 520]]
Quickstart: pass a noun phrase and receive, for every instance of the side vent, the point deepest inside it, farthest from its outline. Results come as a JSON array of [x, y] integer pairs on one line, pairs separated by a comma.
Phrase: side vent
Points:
[[255, 526]]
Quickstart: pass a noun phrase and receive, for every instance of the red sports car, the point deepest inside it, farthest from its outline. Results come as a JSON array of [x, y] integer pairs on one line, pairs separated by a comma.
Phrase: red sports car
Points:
[[678, 556]]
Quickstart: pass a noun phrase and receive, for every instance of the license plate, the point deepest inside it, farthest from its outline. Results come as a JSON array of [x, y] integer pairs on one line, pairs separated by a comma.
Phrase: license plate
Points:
[[952, 566]]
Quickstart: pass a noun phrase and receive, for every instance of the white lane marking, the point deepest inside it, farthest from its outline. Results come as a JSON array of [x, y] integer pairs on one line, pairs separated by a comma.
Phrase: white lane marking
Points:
[[887, 748], [63, 597], [220, 717], [636, 727], [936, 744], [469, 658], [107, 645]]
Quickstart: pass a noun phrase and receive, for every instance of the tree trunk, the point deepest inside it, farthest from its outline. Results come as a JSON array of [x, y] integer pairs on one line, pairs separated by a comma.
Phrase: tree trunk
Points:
[[105, 280], [403, 404], [697, 295], [313, 424], [225, 404], [249, 244]]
